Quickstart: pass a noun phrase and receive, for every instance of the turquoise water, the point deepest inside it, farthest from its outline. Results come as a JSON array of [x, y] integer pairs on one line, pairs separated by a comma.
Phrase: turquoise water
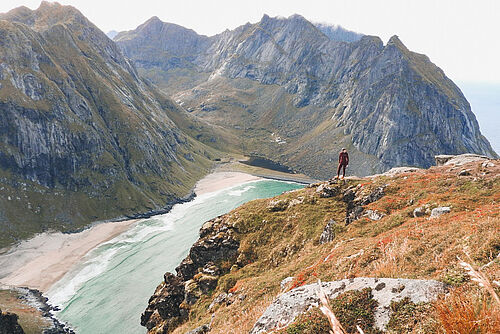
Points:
[[110, 289]]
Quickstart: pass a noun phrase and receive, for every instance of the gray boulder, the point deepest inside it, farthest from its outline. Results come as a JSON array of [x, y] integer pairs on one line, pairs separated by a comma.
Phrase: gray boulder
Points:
[[436, 212], [289, 305], [458, 160]]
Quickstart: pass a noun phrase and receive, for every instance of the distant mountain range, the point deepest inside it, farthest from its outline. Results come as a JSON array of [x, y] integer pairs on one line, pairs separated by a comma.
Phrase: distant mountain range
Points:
[[88, 133]]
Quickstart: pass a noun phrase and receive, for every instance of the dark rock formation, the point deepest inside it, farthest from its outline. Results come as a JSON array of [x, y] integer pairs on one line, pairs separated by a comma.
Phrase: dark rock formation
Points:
[[165, 304], [37, 300], [8, 323], [209, 258]]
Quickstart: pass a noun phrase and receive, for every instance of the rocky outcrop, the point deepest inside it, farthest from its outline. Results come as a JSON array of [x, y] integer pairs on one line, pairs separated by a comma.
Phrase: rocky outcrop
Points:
[[8, 323], [289, 305], [210, 257], [356, 197], [79, 126], [458, 160], [40, 303], [389, 106], [439, 211], [328, 233]]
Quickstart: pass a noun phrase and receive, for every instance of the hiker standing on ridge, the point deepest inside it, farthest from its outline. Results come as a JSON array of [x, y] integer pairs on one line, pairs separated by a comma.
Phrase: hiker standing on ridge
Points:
[[343, 162]]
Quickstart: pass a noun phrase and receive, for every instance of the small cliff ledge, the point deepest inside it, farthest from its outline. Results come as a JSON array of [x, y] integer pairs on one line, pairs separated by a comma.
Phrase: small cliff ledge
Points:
[[198, 274]]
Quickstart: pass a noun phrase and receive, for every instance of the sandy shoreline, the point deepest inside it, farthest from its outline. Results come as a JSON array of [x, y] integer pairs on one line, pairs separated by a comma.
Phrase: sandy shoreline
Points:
[[40, 262]]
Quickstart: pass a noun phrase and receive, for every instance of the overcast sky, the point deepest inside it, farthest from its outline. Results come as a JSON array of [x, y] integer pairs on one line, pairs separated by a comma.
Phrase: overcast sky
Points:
[[460, 36]]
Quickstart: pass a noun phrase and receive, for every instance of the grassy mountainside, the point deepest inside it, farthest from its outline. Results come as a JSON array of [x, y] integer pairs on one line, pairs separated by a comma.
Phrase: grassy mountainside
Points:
[[280, 237], [82, 137]]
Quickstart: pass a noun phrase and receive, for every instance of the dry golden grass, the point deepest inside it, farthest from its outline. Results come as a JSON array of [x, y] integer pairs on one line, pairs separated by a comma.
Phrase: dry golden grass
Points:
[[467, 311], [283, 244]]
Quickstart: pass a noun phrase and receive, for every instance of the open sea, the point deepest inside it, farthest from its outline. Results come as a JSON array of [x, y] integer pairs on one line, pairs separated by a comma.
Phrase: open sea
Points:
[[109, 290], [485, 103]]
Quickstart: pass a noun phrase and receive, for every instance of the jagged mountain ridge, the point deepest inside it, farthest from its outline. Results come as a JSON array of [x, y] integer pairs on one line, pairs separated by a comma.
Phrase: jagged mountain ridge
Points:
[[338, 33], [82, 137], [283, 77]]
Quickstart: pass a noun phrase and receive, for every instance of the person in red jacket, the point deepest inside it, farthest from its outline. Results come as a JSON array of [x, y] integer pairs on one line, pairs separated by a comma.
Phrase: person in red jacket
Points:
[[343, 162]]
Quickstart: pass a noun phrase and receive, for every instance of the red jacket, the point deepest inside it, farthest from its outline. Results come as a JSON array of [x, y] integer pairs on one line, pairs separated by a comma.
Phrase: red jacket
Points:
[[343, 158]]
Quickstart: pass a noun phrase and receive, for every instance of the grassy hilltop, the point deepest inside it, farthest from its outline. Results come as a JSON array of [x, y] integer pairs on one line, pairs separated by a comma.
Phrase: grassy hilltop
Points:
[[280, 238]]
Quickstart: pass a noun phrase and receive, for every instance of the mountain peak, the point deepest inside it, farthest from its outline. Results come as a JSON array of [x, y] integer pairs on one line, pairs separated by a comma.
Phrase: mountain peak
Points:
[[153, 20], [45, 16], [47, 4], [297, 17], [394, 40]]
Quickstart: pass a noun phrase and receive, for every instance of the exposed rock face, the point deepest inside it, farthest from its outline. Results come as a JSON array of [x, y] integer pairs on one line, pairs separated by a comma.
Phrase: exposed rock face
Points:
[[8, 323], [78, 124], [197, 274], [164, 304], [389, 106], [356, 198], [328, 233], [385, 290]]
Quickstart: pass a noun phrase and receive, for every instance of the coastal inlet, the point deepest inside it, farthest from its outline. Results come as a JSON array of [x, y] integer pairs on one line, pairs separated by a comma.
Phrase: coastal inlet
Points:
[[108, 291]]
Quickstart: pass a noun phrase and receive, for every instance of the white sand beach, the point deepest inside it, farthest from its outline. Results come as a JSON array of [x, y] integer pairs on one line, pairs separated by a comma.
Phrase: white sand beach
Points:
[[41, 261], [221, 180]]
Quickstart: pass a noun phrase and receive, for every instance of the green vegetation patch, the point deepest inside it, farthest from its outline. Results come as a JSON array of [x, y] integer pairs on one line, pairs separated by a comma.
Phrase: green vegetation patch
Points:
[[311, 322], [356, 307], [409, 317], [352, 308]]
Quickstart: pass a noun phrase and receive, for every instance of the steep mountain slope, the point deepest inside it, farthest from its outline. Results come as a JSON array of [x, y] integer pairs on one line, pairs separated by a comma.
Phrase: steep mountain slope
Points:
[[411, 225], [297, 96], [82, 137]]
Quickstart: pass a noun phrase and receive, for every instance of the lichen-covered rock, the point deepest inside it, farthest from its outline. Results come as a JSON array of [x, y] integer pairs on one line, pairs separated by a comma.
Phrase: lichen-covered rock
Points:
[[458, 160], [328, 233], [289, 305], [277, 205], [325, 190], [296, 201], [200, 330], [439, 211], [421, 211], [286, 282], [374, 214]]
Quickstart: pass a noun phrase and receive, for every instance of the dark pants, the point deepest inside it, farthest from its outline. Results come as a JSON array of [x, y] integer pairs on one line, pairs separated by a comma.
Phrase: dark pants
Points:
[[343, 166]]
